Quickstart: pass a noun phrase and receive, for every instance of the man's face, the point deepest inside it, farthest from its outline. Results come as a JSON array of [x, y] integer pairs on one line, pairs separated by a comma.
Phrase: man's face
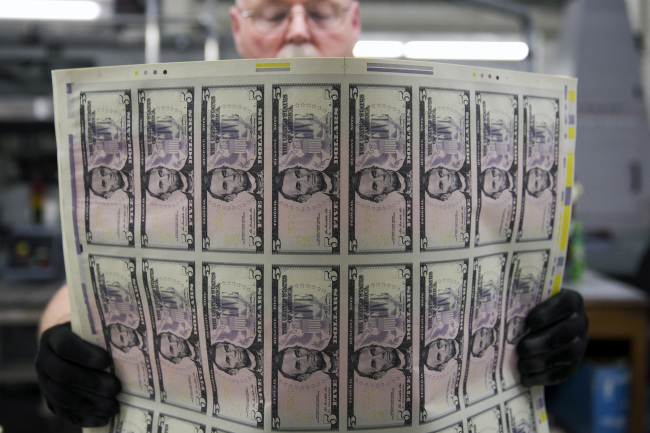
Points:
[[298, 182], [163, 181], [377, 359], [105, 180], [515, 329], [538, 180], [494, 181], [123, 336], [482, 339], [440, 351], [226, 181], [442, 181], [172, 347], [228, 356], [298, 361], [377, 181], [295, 38]]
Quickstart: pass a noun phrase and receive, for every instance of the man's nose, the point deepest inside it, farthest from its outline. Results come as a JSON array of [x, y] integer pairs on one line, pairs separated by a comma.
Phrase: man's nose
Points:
[[298, 31]]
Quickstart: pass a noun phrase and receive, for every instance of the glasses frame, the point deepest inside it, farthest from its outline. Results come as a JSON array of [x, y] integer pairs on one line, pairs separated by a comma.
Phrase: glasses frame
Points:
[[251, 14]]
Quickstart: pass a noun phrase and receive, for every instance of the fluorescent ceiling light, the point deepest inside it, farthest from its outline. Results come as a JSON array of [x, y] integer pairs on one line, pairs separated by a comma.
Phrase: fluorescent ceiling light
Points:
[[458, 50], [387, 49], [49, 10]]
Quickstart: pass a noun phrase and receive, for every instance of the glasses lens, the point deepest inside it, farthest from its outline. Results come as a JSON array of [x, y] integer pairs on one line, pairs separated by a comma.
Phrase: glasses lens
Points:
[[269, 18], [324, 14]]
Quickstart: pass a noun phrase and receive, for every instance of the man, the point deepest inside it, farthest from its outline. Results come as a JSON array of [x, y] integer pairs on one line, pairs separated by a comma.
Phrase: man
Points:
[[104, 181], [481, 340], [162, 182], [375, 184], [299, 363], [225, 183], [494, 181], [174, 348], [515, 329], [537, 180], [230, 358], [373, 361], [440, 182], [124, 337], [299, 184], [558, 326], [437, 353]]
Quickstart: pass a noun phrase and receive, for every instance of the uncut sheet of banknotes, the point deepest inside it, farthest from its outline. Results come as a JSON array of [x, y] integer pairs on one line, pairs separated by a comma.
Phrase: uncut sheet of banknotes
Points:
[[314, 244]]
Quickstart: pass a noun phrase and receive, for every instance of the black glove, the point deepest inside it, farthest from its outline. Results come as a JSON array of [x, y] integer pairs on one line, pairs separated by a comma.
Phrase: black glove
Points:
[[72, 380], [557, 340]]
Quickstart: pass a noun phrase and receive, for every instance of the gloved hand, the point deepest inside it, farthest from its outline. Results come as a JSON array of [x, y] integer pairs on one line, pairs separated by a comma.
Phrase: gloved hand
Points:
[[553, 349], [72, 380]]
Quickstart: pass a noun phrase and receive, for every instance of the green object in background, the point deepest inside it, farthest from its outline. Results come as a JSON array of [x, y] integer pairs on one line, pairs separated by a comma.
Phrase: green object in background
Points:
[[576, 257]]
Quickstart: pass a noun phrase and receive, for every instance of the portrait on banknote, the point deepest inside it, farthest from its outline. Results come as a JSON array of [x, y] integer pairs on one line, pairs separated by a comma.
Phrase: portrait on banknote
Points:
[[233, 305], [445, 168], [381, 169], [232, 168], [540, 164], [526, 286], [520, 416], [171, 295], [107, 154], [497, 134], [485, 318], [489, 421], [306, 168], [121, 314], [380, 346], [168, 424], [443, 288], [131, 419], [306, 348], [167, 167]]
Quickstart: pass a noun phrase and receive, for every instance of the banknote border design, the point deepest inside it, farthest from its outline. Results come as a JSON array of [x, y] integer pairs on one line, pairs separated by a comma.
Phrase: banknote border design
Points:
[[408, 163], [161, 422], [461, 330], [191, 275], [506, 404], [407, 343], [258, 166], [190, 236], [499, 415], [116, 427], [334, 165], [130, 236], [467, 168], [92, 261], [495, 370], [259, 338], [335, 278], [553, 169], [513, 169], [515, 263]]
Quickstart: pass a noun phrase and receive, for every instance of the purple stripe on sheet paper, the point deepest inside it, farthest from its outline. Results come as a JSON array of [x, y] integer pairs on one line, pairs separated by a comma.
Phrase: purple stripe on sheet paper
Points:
[[567, 196], [566, 92], [560, 262], [572, 119], [400, 71], [90, 313], [540, 403], [74, 195], [68, 87]]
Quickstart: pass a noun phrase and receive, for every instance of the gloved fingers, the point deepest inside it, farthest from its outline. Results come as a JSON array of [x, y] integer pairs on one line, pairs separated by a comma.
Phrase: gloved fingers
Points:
[[83, 419], [552, 337], [551, 376], [555, 309], [77, 400], [68, 345], [561, 356]]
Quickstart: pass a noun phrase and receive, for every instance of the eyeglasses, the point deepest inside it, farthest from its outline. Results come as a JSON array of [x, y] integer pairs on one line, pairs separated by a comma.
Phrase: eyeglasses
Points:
[[324, 15]]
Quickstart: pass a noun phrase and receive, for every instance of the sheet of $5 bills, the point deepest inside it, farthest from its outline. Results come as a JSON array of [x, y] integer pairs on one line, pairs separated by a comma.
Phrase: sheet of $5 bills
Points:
[[314, 244]]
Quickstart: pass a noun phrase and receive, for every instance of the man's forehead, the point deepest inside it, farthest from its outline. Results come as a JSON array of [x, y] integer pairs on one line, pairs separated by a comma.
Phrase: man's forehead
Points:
[[252, 4]]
